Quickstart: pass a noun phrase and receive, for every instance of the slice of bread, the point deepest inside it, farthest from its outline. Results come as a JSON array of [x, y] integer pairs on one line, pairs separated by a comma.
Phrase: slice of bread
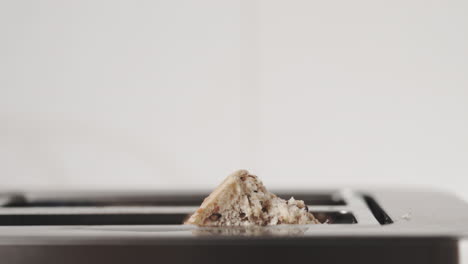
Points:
[[242, 200]]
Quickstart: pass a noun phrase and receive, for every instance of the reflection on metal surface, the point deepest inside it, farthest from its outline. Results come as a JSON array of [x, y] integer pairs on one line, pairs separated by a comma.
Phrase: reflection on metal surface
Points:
[[280, 230]]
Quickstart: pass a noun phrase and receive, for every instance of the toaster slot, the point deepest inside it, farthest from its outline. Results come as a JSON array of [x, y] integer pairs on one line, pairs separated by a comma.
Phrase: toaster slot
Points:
[[182, 199], [340, 217], [380, 215], [148, 208], [83, 200], [90, 219], [50, 218]]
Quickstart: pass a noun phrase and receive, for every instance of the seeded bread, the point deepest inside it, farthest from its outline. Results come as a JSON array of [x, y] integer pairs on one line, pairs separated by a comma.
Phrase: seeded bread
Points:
[[242, 200]]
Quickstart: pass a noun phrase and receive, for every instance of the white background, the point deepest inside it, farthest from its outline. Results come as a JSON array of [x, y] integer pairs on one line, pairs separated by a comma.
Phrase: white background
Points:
[[177, 94], [160, 94]]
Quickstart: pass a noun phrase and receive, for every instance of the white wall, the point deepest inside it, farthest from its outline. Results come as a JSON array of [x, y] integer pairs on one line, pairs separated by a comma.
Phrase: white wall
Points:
[[118, 93], [156, 94], [368, 91]]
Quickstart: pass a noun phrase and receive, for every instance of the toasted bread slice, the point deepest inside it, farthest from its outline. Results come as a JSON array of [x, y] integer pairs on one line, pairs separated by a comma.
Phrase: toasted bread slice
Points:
[[242, 200]]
